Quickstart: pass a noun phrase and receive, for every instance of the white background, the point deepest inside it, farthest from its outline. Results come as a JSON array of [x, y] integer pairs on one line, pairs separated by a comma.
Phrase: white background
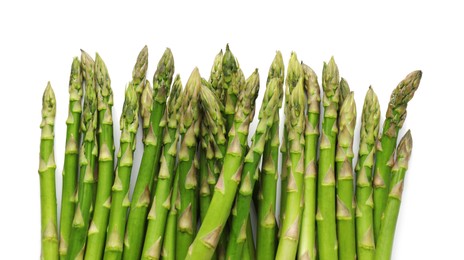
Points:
[[373, 44]]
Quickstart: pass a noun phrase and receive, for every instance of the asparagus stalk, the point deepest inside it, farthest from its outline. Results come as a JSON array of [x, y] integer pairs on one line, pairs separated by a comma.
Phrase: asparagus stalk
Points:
[[396, 114], [149, 166], [285, 160], [266, 228], [212, 144], [290, 230], [169, 242], [71, 157], [364, 201], [344, 171], [210, 231], [120, 189], [162, 201], [249, 251], [47, 166], [241, 211], [88, 160], [231, 84], [307, 244], [97, 230], [325, 216], [387, 229], [189, 127]]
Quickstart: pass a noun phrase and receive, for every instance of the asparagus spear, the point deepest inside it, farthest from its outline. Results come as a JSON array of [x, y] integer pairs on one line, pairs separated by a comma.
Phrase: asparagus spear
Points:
[[290, 230], [189, 125], [266, 228], [162, 201], [149, 166], [217, 81], [250, 172], [364, 201], [97, 230], [47, 166], [216, 77], [387, 229], [169, 242], [210, 231], [231, 84], [307, 244], [88, 160], [71, 157], [325, 216], [120, 189], [212, 144], [344, 171], [285, 159], [396, 114], [140, 71]]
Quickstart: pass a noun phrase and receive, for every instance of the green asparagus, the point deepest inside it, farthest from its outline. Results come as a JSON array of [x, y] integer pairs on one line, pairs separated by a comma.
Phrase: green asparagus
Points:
[[364, 202], [162, 201], [290, 229], [71, 157], [88, 160], [344, 172], [266, 227], [120, 190], [387, 229], [189, 126], [144, 187], [169, 242], [47, 166], [307, 244], [249, 176], [325, 216], [396, 114], [97, 230], [206, 240]]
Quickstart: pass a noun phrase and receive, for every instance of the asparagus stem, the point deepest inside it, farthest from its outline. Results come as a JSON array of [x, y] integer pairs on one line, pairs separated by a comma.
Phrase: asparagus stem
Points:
[[120, 189], [212, 144], [364, 201], [250, 171], [162, 201], [267, 194], [344, 171], [149, 166], [232, 77], [210, 231], [190, 120], [387, 229], [88, 160], [97, 230], [325, 216], [396, 114], [169, 243], [71, 156], [47, 166], [307, 244], [249, 247], [290, 230]]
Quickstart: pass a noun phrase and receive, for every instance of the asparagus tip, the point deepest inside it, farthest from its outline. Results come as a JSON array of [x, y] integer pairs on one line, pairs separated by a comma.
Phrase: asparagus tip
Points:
[[48, 102]]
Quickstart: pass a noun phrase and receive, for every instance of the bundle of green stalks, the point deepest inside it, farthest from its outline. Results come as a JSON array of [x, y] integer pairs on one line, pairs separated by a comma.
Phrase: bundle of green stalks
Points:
[[203, 190]]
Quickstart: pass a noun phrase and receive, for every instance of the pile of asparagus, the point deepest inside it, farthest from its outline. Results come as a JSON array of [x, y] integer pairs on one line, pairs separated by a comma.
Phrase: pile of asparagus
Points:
[[203, 191]]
